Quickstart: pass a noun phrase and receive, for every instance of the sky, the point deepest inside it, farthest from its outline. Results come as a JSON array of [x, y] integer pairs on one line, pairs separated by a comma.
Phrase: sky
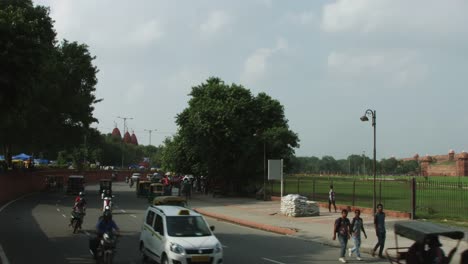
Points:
[[327, 62]]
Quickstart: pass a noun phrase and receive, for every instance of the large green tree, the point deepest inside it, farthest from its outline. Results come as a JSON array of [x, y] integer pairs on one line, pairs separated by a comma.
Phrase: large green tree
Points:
[[224, 132], [47, 90]]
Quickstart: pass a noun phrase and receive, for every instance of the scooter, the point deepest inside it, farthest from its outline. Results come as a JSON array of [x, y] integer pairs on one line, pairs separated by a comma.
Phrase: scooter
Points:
[[107, 204]]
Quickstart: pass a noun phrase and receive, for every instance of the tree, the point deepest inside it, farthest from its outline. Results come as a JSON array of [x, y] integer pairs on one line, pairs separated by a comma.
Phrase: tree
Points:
[[223, 131], [42, 81]]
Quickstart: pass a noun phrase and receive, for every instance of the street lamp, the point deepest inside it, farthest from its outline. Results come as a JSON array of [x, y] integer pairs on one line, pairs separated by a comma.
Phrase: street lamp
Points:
[[364, 118], [264, 165]]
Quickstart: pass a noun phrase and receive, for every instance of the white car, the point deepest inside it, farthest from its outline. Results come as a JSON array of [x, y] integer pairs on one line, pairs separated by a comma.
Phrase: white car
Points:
[[177, 235], [136, 175]]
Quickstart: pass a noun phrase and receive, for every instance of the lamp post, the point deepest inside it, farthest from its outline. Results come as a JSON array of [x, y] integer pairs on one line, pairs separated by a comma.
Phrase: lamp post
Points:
[[364, 118], [257, 134]]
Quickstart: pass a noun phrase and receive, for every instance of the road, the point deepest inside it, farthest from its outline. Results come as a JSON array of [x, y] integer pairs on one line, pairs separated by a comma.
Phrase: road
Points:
[[35, 228]]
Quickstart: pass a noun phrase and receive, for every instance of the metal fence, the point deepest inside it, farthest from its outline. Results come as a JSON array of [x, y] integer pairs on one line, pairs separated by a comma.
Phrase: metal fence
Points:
[[433, 199]]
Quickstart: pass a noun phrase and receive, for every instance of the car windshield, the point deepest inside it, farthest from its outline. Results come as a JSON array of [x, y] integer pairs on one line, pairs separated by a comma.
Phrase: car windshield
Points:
[[187, 226]]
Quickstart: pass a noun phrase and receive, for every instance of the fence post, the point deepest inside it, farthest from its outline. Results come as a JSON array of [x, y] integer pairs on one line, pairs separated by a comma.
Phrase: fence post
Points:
[[313, 190], [413, 198], [354, 192], [298, 182]]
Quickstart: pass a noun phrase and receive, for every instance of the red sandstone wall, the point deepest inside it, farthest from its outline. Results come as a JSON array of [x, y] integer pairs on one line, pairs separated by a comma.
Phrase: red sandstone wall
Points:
[[18, 183], [442, 170]]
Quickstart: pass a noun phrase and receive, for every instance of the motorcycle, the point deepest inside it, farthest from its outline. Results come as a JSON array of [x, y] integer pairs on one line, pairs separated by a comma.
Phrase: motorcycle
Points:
[[106, 249], [77, 220]]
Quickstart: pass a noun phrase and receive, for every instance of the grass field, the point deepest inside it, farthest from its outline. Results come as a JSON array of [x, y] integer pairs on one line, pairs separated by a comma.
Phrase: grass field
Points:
[[436, 197]]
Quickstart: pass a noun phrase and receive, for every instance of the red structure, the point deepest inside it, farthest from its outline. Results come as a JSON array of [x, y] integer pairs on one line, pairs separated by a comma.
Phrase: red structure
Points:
[[127, 138], [116, 133], [425, 162], [462, 164], [133, 139]]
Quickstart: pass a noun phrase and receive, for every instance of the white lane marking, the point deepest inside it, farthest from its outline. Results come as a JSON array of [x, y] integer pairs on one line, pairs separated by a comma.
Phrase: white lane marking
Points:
[[64, 216], [3, 256], [10, 202], [133, 216], [58, 210], [274, 261], [123, 211], [224, 246], [86, 233]]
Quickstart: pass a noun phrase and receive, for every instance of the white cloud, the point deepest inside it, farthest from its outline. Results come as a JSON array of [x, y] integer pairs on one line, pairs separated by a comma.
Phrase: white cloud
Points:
[[302, 18], [135, 93], [216, 21], [255, 66], [146, 33], [397, 66], [421, 16]]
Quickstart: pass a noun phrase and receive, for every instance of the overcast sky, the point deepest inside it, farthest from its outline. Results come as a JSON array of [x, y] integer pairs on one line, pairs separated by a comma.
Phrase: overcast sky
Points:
[[325, 61]]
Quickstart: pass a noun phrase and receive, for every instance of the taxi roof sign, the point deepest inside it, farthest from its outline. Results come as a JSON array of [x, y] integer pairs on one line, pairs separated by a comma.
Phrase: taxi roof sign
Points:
[[184, 212]]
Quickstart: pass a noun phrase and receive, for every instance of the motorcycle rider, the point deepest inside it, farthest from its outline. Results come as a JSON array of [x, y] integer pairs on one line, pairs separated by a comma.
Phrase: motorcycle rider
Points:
[[78, 211], [80, 197], [104, 225]]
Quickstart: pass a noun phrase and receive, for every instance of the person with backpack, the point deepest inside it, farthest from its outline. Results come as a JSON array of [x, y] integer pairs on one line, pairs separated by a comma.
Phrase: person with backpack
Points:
[[331, 199], [357, 225], [342, 227]]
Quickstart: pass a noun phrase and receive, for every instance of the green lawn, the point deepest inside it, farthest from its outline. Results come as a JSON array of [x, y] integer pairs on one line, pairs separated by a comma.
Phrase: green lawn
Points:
[[436, 197]]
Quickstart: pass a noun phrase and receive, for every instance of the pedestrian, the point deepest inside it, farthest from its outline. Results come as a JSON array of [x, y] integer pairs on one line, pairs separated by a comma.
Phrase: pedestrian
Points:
[[331, 199], [342, 227], [357, 226], [379, 223]]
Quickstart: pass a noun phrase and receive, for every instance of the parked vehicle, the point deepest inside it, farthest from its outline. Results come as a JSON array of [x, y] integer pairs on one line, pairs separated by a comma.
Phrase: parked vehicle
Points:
[[174, 234], [75, 184]]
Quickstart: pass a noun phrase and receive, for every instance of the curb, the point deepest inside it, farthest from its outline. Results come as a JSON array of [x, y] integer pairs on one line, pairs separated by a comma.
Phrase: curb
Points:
[[264, 227]]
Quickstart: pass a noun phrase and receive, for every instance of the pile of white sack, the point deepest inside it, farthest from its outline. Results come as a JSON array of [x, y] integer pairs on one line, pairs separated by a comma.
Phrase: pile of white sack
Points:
[[296, 205]]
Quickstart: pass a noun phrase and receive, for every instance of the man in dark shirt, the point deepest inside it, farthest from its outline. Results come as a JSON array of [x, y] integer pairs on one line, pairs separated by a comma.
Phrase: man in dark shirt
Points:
[[379, 223], [341, 227]]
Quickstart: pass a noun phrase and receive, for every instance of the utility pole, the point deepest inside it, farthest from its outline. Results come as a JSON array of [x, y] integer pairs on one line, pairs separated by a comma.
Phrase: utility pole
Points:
[[125, 130], [150, 130]]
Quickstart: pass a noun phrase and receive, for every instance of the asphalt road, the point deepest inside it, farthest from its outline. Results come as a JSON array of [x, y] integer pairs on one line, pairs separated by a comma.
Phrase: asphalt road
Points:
[[35, 229]]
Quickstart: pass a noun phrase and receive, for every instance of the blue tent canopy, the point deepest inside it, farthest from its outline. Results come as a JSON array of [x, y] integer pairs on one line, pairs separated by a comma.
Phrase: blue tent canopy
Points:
[[21, 156], [41, 161], [2, 157]]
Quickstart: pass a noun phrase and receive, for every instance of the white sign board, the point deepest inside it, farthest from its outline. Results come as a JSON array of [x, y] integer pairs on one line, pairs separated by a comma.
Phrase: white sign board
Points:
[[275, 169]]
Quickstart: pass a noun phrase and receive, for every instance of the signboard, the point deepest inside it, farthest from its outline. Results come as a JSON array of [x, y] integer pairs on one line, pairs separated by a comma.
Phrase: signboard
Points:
[[275, 169]]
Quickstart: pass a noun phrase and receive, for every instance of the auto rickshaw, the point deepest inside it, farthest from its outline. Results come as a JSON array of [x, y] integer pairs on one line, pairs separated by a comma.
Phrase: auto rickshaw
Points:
[[170, 200], [105, 184], [422, 233], [53, 183], [155, 190], [75, 184], [142, 188]]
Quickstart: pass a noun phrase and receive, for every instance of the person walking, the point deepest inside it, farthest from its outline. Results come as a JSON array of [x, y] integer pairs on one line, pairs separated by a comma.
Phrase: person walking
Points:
[[342, 227], [357, 226], [331, 199], [379, 223]]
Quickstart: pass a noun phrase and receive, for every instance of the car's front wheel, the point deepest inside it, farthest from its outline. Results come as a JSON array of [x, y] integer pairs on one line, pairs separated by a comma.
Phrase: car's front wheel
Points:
[[144, 258]]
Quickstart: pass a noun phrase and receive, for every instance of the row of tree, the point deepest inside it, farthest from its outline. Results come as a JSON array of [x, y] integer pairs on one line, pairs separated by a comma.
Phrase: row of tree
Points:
[[47, 87], [353, 165]]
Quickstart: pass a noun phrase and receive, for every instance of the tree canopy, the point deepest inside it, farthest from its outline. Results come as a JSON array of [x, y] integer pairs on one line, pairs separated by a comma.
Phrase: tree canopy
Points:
[[224, 132], [47, 87]]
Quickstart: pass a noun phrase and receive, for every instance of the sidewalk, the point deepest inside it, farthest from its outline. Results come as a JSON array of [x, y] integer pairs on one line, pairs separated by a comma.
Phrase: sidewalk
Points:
[[266, 215]]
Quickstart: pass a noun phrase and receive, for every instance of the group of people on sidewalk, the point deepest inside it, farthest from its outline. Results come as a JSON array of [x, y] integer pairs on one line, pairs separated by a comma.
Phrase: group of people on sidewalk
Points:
[[346, 229]]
